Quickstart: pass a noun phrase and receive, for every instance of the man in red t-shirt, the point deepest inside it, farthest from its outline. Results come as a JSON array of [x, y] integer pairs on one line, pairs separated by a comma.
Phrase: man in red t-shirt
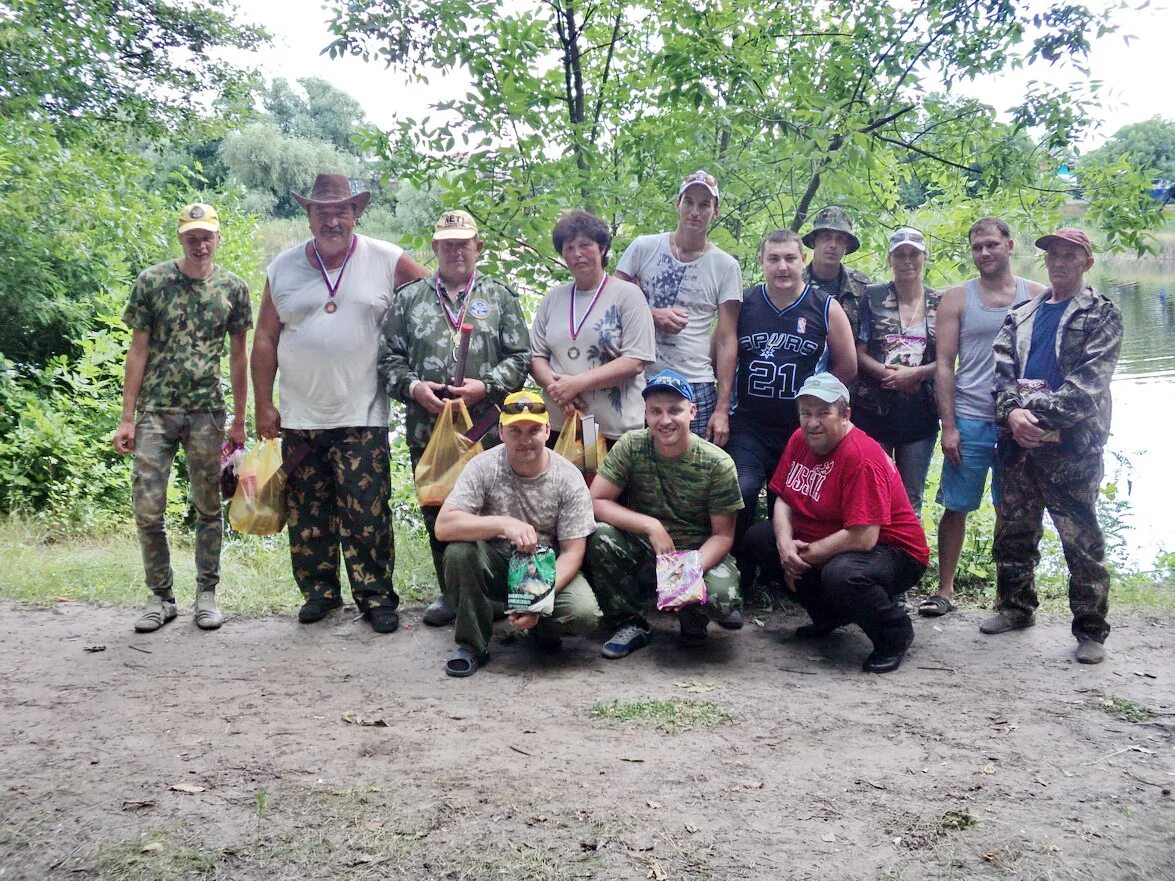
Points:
[[844, 537]]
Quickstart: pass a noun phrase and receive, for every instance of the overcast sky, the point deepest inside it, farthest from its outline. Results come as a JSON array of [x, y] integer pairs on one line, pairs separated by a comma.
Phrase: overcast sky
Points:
[[1137, 75]]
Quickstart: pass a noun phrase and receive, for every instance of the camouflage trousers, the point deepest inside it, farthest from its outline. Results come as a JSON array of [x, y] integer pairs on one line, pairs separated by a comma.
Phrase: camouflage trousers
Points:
[[475, 577], [429, 513], [158, 437], [1030, 483], [623, 571], [337, 495]]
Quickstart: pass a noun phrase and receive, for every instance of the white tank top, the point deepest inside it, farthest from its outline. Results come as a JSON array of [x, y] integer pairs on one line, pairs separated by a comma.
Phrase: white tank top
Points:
[[327, 376]]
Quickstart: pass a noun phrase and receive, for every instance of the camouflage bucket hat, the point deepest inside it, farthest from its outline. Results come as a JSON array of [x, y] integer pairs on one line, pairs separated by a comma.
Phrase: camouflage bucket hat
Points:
[[833, 219]]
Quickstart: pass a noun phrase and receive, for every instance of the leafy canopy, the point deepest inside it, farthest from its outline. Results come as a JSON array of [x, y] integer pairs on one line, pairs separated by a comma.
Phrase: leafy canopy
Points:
[[607, 105]]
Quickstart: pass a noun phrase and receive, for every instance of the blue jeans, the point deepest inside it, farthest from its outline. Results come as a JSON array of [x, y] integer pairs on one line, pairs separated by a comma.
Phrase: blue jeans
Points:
[[961, 487], [755, 460], [913, 461]]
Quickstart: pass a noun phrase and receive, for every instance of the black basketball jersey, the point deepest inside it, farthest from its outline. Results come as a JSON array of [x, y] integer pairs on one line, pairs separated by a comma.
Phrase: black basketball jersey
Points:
[[777, 350]]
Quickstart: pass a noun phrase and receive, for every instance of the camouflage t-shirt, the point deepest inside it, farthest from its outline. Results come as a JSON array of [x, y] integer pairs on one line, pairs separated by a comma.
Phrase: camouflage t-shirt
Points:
[[556, 503], [188, 319], [681, 492]]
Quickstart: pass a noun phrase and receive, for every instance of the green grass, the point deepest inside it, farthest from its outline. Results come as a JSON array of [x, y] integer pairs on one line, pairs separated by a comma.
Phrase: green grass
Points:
[[255, 571], [153, 858], [1127, 710], [672, 716]]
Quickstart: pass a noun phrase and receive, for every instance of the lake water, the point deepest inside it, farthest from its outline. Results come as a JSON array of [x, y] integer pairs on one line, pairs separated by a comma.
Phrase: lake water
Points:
[[1144, 399]]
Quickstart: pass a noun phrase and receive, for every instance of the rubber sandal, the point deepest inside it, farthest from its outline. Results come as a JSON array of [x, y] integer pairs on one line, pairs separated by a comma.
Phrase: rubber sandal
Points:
[[936, 606], [464, 663]]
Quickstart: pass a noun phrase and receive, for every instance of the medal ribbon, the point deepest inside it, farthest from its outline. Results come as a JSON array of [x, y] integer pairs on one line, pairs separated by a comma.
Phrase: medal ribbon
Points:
[[577, 326], [455, 321], [332, 289]]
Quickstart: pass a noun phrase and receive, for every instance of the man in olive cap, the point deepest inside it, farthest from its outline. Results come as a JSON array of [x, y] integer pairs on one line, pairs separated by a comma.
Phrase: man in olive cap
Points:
[[179, 314], [831, 239], [319, 325], [1054, 358], [417, 343]]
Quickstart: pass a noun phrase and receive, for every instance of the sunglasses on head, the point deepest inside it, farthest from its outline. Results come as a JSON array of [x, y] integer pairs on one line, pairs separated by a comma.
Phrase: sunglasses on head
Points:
[[515, 408]]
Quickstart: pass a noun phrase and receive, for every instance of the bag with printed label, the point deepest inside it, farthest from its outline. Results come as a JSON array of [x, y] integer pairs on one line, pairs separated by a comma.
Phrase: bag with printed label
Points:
[[530, 582], [679, 580]]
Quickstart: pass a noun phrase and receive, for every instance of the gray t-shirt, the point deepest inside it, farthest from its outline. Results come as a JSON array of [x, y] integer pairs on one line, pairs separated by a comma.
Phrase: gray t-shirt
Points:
[[556, 503], [327, 376], [618, 325], [697, 288]]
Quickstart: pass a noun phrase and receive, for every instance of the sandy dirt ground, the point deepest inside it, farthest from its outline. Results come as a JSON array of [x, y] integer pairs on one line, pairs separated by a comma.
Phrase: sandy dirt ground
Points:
[[270, 750]]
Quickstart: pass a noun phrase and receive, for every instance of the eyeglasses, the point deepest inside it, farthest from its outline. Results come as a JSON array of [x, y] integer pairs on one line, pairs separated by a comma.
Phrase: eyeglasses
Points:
[[517, 408]]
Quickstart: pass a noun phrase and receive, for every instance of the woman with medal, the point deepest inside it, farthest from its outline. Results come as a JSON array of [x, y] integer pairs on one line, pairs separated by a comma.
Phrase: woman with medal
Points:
[[592, 338], [894, 403]]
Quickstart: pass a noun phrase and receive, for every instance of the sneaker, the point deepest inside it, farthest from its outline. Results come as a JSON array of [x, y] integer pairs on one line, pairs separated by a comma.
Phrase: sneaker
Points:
[[693, 621], [383, 619], [317, 608], [1090, 651], [438, 613], [156, 613], [733, 621], [813, 630], [208, 614], [1002, 622], [625, 641]]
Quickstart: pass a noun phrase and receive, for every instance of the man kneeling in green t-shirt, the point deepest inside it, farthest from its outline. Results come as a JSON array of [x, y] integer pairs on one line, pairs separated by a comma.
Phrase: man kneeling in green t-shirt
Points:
[[681, 494]]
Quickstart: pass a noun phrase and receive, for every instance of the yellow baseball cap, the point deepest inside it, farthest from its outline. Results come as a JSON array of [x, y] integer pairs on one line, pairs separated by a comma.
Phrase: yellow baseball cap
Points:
[[524, 407], [198, 216]]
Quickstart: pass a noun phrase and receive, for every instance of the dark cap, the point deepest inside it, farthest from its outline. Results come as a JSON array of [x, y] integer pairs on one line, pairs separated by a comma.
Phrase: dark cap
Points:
[[1068, 234]]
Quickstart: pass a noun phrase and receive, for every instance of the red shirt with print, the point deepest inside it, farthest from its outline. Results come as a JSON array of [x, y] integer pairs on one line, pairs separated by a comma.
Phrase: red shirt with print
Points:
[[856, 484]]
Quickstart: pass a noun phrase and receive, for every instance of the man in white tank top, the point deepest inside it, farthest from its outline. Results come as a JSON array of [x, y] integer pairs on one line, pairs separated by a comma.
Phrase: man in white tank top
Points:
[[319, 324], [969, 318]]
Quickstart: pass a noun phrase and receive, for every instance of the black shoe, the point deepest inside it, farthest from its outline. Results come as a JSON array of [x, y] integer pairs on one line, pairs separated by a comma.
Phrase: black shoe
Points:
[[545, 636], [733, 621], [693, 621], [383, 619], [813, 631], [438, 613], [317, 608], [883, 662]]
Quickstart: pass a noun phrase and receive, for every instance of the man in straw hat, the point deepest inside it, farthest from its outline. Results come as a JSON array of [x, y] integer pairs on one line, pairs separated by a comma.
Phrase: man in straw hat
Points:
[[831, 239], [179, 314], [1054, 359], [319, 323], [419, 340]]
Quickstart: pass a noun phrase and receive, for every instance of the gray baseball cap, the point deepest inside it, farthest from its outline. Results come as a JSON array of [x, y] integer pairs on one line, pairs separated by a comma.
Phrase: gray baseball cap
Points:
[[834, 219], [824, 386]]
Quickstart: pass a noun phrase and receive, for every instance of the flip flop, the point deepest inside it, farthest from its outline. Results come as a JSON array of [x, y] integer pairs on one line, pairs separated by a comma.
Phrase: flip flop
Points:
[[936, 606], [464, 663]]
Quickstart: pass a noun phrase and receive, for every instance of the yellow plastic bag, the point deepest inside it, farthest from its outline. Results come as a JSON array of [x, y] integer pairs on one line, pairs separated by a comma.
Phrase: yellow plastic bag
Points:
[[259, 504], [446, 454], [570, 444]]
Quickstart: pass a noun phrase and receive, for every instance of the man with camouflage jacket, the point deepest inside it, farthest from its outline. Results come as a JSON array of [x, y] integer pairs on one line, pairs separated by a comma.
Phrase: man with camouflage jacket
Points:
[[419, 340], [1054, 358], [831, 240], [179, 314]]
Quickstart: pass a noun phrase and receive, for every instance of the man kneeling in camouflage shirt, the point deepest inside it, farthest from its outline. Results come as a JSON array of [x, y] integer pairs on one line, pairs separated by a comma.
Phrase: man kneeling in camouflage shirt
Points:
[[682, 494]]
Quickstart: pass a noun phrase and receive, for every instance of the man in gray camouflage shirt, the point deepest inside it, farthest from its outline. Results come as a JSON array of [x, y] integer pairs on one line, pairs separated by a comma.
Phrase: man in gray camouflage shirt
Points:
[[419, 342]]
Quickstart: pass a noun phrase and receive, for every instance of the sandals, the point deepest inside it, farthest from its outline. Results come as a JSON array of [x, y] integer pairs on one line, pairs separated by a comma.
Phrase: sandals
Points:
[[464, 663], [936, 606]]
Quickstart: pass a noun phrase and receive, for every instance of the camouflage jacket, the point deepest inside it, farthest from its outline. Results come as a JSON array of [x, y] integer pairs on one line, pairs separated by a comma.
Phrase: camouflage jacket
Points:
[[849, 290], [1089, 338], [879, 320], [188, 320], [417, 342]]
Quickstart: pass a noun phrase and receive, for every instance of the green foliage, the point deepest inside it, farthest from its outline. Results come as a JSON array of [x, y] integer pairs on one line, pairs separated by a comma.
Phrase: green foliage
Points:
[[1148, 146], [321, 113], [789, 106], [671, 716], [273, 166], [141, 64]]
